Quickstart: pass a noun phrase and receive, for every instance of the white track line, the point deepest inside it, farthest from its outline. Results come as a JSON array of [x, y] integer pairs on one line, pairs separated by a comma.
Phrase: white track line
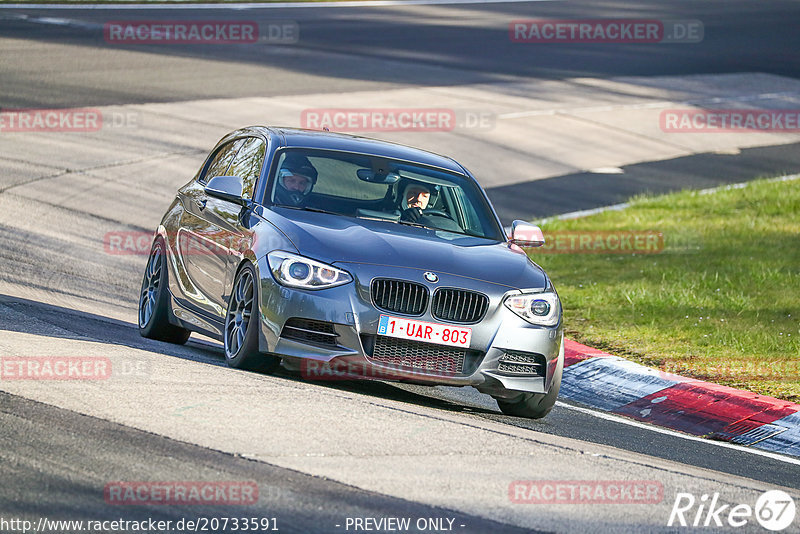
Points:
[[272, 5], [659, 430]]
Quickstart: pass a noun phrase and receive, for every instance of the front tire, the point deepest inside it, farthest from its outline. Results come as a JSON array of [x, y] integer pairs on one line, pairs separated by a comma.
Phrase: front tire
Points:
[[534, 405], [242, 324], [154, 300]]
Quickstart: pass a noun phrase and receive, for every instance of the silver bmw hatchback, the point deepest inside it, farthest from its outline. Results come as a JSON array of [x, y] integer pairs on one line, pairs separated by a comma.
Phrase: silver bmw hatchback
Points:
[[343, 257]]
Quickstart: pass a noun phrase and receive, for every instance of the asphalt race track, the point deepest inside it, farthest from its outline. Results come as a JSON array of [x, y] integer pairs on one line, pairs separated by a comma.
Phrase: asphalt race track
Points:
[[321, 453]]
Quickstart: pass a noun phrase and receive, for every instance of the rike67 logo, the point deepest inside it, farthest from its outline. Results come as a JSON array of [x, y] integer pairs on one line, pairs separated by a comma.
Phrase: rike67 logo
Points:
[[774, 510]]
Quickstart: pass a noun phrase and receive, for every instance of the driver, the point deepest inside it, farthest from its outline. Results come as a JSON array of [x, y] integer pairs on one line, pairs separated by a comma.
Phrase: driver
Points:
[[415, 198], [296, 179]]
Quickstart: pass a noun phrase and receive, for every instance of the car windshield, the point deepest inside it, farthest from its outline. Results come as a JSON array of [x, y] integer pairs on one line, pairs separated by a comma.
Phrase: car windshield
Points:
[[371, 187]]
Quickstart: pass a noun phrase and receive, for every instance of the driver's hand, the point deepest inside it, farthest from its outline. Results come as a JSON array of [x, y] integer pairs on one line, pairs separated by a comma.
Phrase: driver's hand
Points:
[[411, 215]]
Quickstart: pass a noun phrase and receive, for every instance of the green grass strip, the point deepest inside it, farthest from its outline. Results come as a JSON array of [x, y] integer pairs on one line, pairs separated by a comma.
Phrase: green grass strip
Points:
[[720, 302]]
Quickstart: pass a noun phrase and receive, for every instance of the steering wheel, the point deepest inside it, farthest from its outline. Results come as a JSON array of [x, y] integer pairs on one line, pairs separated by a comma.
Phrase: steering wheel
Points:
[[435, 213]]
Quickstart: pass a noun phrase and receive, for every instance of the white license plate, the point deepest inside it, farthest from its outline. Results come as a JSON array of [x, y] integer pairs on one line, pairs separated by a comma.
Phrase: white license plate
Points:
[[441, 334]]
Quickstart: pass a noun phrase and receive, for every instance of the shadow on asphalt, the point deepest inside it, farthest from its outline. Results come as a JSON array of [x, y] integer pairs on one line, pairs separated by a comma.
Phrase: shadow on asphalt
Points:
[[74, 324], [40, 318], [389, 391], [57, 463]]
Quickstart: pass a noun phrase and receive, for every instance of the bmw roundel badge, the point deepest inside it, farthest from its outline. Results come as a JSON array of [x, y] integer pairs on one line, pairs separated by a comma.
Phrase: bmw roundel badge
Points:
[[431, 277]]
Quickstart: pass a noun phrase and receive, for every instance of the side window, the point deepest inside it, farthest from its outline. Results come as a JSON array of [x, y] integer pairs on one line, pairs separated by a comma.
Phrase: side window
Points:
[[248, 162], [222, 160]]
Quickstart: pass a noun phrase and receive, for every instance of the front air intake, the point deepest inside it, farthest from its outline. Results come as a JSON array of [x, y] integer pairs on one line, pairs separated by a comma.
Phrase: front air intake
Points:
[[310, 331]]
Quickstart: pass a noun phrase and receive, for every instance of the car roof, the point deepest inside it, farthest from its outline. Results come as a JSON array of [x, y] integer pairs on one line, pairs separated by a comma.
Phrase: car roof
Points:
[[299, 138]]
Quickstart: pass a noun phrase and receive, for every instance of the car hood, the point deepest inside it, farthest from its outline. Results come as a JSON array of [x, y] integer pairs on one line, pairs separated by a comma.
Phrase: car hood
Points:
[[335, 238]]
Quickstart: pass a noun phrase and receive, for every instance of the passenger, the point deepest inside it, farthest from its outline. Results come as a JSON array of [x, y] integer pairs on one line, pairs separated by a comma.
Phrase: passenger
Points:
[[415, 199]]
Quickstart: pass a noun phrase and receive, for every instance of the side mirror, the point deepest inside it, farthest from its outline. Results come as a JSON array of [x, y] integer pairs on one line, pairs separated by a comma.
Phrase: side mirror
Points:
[[525, 234], [226, 188]]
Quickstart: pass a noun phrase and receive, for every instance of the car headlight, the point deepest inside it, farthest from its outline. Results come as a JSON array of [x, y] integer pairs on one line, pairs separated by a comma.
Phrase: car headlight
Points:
[[542, 309], [296, 271]]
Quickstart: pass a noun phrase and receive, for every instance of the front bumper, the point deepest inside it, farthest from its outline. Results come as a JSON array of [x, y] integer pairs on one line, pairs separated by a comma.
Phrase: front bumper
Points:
[[501, 343]]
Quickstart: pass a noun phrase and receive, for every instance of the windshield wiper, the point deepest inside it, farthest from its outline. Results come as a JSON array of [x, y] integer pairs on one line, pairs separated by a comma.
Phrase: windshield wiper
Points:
[[394, 221], [409, 223], [370, 218], [306, 208], [468, 233]]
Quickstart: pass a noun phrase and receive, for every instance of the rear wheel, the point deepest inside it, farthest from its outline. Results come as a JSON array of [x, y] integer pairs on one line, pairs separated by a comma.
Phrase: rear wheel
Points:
[[534, 405], [154, 300], [242, 324]]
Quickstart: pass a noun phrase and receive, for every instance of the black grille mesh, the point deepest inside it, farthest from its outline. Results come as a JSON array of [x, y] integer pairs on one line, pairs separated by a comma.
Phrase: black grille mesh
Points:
[[399, 296], [407, 354], [523, 357], [518, 368], [459, 305]]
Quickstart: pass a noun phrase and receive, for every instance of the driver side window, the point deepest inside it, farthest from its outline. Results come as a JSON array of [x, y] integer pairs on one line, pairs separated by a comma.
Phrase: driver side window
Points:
[[221, 161], [248, 163]]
